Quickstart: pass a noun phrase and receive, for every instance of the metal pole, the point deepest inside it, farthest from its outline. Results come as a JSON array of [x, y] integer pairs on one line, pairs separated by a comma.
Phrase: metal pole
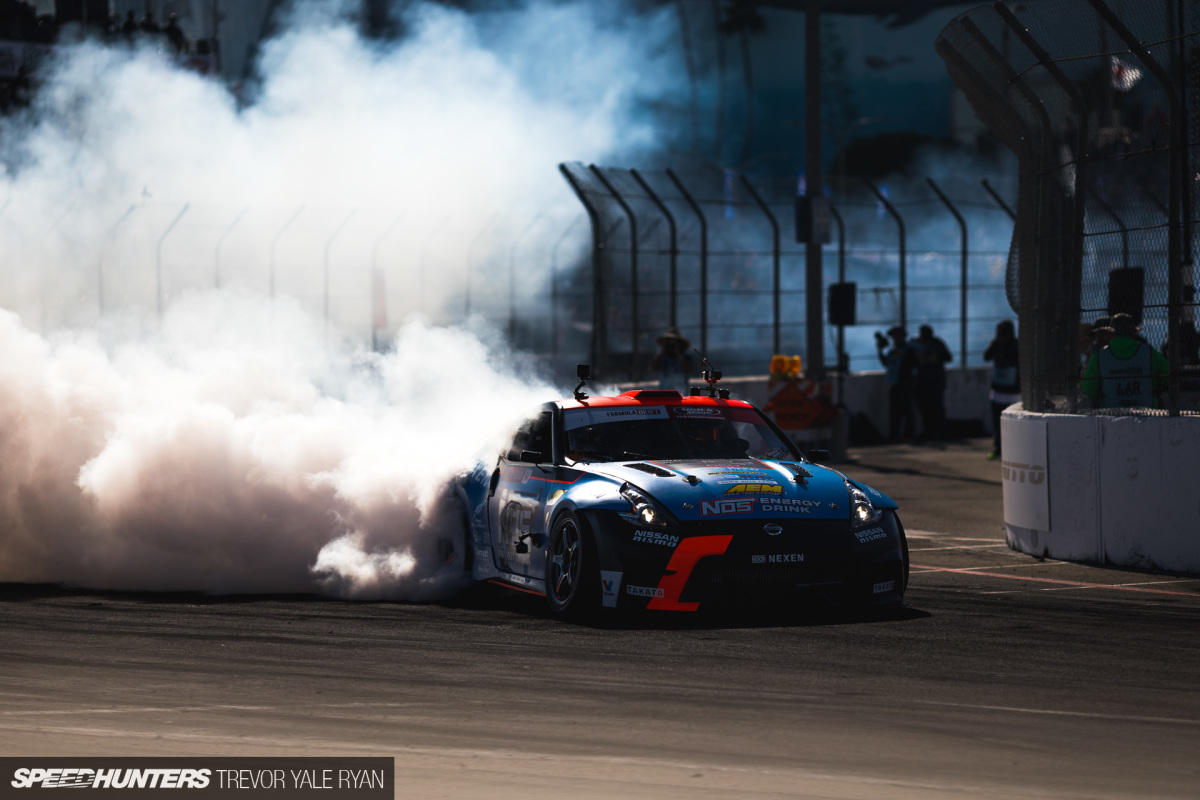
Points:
[[964, 252], [813, 278], [275, 241], [903, 252], [842, 361], [217, 251], [687, 196], [374, 271], [598, 346], [512, 279], [674, 241], [158, 259], [633, 265], [554, 286], [467, 281], [112, 232], [776, 341], [328, 245], [987, 187]]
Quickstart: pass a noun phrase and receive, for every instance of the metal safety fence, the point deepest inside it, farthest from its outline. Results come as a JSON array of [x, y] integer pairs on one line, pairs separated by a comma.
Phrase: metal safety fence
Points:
[[714, 254], [1098, 99]]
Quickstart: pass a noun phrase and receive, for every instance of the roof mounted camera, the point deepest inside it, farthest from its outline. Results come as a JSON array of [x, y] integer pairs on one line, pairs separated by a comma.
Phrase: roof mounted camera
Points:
[[584, 373], [711, 377]]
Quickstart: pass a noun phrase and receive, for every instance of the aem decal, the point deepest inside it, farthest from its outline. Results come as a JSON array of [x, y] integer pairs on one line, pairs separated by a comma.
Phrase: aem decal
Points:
[[755, 488]]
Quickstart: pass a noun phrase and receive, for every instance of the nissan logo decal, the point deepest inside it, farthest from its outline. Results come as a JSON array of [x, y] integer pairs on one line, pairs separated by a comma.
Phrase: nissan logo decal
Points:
[[772, 529]]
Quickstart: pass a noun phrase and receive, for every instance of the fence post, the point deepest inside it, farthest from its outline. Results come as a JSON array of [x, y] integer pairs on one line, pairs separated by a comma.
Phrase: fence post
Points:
[[1079, 212], [375, 271], [275, 241], [964, 253], [423, 261], [512, 280], [674, 245], [328, 245], [598, 338], [112, 232], [987, 187], [891, 209], [467, 281], [158, 258], [554, 285], [842, 361], [217, 249], [775, 298], [687, 196], [633, 264]]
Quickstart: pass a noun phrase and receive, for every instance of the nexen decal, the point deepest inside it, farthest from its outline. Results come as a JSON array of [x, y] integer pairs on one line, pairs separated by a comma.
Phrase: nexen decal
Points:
[[755, 488], [65, 777], [742, 506], [778, 558]]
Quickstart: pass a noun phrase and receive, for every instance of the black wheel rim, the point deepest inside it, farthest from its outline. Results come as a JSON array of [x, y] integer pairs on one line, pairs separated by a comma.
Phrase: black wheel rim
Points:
[[565, 559]]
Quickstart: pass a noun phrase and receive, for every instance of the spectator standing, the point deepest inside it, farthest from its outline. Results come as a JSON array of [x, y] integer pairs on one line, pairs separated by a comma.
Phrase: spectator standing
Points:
[[930, 386], [130, 28], [1128, 372], [672, 362], [1006, 376], [175, 34], [148, 24], [900, 362]]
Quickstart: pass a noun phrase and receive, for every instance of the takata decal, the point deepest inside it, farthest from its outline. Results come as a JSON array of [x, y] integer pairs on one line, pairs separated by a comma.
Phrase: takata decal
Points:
[[644, 591], [755, 488], [696, 411], [788, 506], [870, 535], [580, 417], [743, 505], [886, 586], [656, 537], [610, 585]]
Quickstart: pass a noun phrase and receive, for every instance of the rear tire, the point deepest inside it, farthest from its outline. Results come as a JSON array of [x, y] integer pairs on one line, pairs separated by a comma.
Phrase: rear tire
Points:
[[572, 582]]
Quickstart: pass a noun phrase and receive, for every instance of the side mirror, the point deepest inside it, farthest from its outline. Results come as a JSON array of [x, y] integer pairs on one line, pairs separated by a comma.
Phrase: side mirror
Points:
[[819, 456], [532, 457]]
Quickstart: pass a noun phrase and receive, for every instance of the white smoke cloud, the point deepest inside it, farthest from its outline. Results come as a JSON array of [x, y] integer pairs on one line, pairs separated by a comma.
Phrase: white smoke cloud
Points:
[[234, 443]]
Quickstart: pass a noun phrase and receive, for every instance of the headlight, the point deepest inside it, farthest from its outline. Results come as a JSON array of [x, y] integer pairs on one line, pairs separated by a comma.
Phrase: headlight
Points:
[[645, 511], [862, 512]]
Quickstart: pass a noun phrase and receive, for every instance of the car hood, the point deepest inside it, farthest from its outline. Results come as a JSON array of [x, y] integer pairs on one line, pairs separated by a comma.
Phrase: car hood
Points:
[[737, 489]]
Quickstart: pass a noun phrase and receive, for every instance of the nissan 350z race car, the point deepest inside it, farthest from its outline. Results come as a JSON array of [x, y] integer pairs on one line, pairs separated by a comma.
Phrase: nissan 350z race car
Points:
[[653, 500]]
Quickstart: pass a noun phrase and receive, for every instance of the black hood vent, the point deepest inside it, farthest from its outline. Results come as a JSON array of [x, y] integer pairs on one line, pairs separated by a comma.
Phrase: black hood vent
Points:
[[653, 470]]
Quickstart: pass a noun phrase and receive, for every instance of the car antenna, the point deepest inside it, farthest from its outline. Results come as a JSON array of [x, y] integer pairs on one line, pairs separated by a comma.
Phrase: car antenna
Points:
[[584, 373], [711, 376]]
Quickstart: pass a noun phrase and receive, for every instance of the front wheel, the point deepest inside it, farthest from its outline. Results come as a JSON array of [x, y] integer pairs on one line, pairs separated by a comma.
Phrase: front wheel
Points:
[[571, 576]]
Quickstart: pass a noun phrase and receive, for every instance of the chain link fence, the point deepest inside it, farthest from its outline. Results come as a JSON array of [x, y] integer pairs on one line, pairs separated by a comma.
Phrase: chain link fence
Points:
[[1098, 100]]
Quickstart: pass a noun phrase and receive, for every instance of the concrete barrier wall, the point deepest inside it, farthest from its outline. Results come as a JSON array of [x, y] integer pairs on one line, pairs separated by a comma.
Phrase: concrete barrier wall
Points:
[[1114, 490]]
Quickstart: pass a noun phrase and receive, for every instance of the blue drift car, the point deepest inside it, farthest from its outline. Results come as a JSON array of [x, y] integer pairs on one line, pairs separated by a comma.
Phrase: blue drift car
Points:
[[652, 500]]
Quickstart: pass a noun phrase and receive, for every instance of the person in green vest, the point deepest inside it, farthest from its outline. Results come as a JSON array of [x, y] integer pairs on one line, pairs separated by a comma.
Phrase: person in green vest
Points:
[[1128, 372]]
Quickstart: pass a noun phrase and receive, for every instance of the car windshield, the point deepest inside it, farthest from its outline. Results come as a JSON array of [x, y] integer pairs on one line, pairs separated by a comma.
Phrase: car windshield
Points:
[[670, 433]]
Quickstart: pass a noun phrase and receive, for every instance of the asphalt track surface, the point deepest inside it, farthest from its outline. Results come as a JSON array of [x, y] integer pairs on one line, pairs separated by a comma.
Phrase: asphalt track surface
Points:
[[1005, 677]]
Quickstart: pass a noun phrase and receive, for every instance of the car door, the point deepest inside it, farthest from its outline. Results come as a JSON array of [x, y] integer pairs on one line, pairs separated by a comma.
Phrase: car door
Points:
[[517, 500]]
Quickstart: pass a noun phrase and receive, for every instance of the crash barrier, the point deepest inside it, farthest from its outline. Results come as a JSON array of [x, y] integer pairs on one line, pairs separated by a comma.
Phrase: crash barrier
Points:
[[1117, 490]]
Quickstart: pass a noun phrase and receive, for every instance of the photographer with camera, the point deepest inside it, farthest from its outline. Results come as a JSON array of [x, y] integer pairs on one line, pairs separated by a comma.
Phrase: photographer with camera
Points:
[[672, 362], [900, 362]]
